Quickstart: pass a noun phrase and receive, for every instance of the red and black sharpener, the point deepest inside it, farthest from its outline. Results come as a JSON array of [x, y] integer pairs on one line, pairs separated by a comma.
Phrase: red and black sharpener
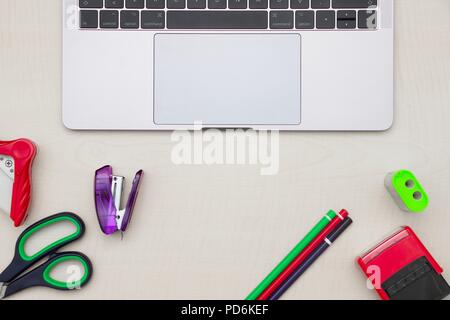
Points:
[[401, 268]]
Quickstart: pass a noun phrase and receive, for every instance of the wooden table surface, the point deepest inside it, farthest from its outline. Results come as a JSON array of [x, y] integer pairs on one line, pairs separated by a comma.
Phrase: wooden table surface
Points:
[[213, 232]]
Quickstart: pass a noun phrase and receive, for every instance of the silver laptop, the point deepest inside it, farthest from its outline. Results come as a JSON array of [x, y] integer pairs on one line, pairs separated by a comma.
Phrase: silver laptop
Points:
[[261, 64]]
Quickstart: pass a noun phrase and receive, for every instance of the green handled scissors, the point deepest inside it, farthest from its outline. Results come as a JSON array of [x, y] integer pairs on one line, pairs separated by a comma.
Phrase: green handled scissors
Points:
[[12, 279]]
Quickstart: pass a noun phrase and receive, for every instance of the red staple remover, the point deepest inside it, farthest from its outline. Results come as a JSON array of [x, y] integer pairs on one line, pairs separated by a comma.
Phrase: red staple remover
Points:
[[16, 159]]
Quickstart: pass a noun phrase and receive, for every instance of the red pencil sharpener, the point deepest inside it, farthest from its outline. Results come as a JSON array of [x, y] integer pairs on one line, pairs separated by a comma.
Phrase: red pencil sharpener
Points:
[[16, 159], [401, 268]]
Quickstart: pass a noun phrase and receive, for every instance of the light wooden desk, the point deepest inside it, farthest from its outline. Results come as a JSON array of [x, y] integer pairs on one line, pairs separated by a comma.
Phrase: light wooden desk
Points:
[[213, 232]]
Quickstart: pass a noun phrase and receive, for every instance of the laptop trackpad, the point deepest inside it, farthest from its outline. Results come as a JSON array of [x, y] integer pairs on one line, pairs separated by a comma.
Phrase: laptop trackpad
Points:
[[227, 79]]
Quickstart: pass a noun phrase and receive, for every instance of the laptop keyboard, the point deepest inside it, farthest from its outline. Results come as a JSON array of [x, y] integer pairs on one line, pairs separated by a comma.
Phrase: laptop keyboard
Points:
[[228, 14]]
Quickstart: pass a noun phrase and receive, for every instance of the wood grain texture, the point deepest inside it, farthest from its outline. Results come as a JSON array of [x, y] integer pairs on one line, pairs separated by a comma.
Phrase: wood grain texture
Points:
[[214, 232]]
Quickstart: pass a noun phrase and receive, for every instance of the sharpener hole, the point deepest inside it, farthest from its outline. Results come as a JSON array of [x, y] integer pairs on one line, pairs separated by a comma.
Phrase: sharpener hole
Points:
[[417, 195], [409, 184]]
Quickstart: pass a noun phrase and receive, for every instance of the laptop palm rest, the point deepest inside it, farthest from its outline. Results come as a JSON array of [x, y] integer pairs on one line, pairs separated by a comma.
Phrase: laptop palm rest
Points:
[[227, 79]]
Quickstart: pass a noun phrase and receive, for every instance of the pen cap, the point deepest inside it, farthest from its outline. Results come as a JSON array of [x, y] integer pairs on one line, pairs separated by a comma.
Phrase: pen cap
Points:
[[406, 191]]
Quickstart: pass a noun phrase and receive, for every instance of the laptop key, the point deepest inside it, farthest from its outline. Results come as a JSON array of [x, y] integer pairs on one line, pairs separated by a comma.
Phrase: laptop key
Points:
[[114, 4], [258, 4], [304, 19], [346, 19], [109, 19], [355, 4], [196, 4], [88, 19], [281, 19], [346, 24], [156, 4], [299, 4], [134, 4], [320, 4], [129, 19], [325, 19], [91, 4], [367, 19], [153, 19], [217, 4], [210, 19], [279, 4], [176, 4], [237, 4], [346, 15]]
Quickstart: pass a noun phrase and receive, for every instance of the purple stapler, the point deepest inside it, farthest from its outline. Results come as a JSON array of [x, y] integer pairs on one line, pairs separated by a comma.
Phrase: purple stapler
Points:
[[108, 198]]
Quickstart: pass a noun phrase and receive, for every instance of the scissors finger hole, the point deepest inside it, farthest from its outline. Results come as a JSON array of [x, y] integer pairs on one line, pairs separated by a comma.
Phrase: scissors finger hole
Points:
[[68, 273], [47, 236]]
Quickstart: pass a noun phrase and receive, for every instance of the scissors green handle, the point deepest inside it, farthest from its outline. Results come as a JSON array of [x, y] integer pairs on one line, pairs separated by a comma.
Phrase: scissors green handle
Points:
[[40, 276]]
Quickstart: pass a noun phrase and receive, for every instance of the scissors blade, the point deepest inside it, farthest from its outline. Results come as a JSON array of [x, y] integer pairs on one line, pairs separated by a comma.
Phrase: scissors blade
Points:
[[2, 290], [6, 181]]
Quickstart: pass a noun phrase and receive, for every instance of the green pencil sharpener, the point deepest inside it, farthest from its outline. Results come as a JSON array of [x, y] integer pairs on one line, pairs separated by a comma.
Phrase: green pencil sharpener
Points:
[[406, 191]]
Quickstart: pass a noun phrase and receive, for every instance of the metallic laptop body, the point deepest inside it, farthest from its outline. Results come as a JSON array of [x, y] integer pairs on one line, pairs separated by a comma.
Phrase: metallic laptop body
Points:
[[261, 64]]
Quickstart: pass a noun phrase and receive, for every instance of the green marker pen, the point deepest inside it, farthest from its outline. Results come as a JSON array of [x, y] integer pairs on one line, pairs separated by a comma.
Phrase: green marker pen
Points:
[[406, 191]]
